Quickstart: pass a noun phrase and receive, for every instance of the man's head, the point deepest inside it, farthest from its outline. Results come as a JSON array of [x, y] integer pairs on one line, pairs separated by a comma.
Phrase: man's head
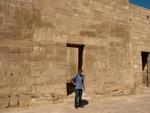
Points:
[[80, 71]]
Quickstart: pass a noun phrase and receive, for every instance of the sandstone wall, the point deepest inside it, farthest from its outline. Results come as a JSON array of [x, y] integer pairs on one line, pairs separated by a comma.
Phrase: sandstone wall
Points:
[[33, 52], [140, 40]]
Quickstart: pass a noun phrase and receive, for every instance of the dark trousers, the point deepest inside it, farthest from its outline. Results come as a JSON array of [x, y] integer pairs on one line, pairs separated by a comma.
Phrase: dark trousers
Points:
[[78, 97]]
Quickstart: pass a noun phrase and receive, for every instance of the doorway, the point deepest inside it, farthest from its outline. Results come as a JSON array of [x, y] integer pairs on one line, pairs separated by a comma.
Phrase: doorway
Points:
[[74, 62], [146, 68]]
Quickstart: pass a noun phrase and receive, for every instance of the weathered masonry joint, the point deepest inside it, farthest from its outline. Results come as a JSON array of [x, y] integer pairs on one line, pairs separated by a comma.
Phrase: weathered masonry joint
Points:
[[44, 42]]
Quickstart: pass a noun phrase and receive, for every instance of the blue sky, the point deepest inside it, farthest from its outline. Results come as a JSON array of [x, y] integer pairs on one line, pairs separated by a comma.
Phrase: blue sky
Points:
[[142, 3]]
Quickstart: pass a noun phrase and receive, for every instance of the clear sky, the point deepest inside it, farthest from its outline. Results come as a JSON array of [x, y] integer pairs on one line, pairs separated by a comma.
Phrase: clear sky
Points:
[[142, 3]]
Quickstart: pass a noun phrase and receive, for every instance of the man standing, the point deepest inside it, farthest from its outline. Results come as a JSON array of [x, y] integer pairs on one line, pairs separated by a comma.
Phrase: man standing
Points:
[[78, 81]]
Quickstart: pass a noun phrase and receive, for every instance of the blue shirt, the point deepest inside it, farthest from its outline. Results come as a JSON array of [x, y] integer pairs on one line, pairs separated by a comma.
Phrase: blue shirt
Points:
[[79, 79]]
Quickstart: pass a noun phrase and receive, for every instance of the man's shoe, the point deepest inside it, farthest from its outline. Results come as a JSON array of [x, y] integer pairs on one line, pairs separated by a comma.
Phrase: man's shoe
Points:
[[76, 106]]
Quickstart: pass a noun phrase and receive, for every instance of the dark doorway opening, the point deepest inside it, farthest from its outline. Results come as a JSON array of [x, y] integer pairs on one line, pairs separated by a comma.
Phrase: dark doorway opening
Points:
[[74, 62], [146, 68]]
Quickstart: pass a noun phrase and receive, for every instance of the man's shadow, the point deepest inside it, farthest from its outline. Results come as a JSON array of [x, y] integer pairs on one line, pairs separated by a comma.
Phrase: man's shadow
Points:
[[84, 103]]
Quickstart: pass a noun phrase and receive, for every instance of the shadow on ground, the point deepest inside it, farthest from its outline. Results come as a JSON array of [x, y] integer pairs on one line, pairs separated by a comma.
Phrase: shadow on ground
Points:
[[84, 103]]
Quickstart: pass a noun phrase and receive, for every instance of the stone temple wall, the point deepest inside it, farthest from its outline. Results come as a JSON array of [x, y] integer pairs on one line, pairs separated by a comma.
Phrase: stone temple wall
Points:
[[33, 48], [139, 39]]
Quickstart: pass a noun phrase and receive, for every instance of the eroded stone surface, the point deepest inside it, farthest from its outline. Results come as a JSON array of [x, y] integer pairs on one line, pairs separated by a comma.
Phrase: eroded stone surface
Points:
[[33, 52]]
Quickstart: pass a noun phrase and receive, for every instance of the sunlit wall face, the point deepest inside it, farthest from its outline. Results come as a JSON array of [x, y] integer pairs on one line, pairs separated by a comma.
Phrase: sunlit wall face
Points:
[[141, 3]]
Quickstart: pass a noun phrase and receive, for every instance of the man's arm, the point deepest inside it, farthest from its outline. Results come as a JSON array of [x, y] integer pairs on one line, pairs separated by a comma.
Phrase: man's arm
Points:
[[83, 84], [73, 82]]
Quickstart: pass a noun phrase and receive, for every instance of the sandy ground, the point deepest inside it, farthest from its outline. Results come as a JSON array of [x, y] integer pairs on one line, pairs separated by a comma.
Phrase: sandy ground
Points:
[[139, 103]]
